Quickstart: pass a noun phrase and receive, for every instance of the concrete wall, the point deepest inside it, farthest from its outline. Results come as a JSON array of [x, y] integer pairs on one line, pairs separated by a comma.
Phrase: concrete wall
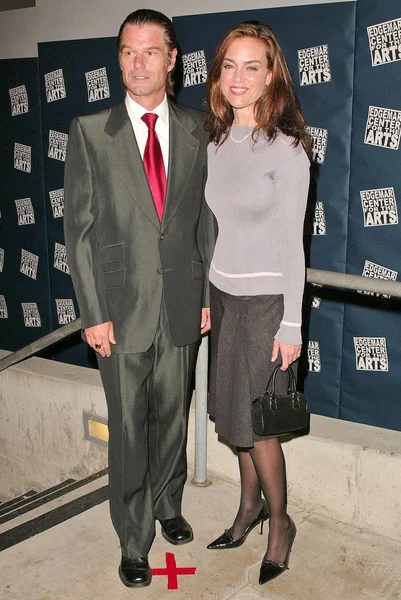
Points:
[[53, 20], [346, 471], [41, 425]]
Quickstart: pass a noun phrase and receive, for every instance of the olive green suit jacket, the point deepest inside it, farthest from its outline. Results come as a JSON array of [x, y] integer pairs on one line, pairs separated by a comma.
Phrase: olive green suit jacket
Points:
[[121, 258]]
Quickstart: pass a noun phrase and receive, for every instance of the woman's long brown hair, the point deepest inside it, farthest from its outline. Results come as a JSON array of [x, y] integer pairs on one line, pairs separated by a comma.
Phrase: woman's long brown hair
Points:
[[276, 110]]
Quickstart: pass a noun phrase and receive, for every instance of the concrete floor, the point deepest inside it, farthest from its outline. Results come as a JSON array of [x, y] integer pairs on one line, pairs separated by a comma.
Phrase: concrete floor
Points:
[[78, 559]]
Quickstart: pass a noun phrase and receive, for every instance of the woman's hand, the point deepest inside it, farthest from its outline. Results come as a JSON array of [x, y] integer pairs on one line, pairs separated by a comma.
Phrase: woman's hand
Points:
[[289, 353], [205, 320]]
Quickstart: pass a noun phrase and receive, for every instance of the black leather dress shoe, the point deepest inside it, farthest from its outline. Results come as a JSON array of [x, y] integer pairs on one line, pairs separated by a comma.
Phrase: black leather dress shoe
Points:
[[227, 541], [135, 572], [177, 531]]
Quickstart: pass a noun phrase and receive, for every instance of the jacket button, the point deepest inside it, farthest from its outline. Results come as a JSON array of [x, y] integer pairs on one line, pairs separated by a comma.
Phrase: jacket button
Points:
[[159, 270], [162, 236]]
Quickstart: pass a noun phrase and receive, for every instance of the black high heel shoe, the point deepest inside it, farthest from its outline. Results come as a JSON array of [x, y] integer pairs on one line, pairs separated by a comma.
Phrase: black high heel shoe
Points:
[[269, 569], [227, 541]]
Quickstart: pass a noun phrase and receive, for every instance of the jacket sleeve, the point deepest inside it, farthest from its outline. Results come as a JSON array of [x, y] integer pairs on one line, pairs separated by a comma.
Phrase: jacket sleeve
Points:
[[80, 230]]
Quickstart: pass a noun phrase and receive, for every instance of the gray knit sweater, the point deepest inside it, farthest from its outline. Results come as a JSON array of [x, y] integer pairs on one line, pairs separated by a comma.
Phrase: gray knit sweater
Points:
[[258, 193]]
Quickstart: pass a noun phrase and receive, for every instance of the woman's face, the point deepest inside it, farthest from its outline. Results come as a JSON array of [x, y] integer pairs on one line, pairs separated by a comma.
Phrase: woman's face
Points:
[[244, 73]]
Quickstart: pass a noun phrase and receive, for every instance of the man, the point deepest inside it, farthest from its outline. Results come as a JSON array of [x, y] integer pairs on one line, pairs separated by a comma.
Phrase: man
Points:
[[137, 238]]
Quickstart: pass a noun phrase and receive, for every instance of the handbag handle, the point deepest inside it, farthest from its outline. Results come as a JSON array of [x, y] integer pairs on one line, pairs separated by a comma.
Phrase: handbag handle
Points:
[[271, 384]]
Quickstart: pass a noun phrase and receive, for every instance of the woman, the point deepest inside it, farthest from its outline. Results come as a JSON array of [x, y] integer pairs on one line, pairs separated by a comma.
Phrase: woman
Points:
[[258, 180]]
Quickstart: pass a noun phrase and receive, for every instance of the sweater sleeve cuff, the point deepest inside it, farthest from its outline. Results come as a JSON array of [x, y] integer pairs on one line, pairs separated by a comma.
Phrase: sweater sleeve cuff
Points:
[[289, 334]]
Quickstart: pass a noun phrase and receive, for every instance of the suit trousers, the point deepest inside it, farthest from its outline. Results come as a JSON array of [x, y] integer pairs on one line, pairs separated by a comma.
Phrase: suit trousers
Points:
[[148, 396]]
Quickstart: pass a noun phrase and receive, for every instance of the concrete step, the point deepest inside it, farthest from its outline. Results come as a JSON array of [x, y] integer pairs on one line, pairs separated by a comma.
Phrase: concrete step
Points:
[[49, 511], [14, 503], [37, 498], [78, 558], [41, 498]]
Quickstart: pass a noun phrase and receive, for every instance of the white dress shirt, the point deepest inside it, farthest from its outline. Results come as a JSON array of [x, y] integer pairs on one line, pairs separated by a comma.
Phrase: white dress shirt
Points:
[[136, 111]]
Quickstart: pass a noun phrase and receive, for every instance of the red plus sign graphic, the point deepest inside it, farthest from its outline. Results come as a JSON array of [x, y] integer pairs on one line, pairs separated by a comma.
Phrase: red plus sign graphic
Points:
[[172, 571]]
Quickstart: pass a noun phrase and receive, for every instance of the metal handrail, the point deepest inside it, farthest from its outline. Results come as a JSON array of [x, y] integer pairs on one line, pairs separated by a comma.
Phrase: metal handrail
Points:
[[40, 344], [318, 276], [354, 282]]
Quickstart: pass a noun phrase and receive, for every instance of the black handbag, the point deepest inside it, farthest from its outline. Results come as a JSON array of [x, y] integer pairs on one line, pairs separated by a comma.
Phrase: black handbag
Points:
[[276, 414]]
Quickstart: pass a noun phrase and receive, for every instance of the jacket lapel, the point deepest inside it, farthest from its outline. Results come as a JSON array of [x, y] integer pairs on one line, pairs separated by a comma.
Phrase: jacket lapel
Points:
[[183, 152], [123, 151]]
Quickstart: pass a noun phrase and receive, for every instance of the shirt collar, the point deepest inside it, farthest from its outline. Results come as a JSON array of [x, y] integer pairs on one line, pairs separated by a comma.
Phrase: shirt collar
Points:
[[136, 111]]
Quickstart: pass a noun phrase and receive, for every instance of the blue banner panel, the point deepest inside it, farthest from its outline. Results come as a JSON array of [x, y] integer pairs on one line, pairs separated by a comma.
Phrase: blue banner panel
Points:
[[318, 42], [24, 276], [345, 59], [76, 78], [371, 375]]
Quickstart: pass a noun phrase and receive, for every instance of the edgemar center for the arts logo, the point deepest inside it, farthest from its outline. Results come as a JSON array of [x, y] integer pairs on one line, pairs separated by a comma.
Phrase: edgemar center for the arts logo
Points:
[[57, 202], [97, 84], [385, 42], [22, 157], [195, 68], [319, 219], [316, 300], [379, 207], [314, 65], [25, 213], [314, 362], [3, 308], [60, 258], [29, 264], [383, 127], [31, 314], [376, 271], [57, 145], [319, 138], [65, 310], [371, 354], [19, 100], [55, 86]]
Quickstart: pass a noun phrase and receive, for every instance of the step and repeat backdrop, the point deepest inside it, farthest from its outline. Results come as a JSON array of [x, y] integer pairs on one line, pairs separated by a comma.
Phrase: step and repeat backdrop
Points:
[[24, 272], [345, 60]]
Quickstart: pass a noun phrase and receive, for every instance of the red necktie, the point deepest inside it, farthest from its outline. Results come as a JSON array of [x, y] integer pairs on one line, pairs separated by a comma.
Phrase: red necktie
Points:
[[154, 165]]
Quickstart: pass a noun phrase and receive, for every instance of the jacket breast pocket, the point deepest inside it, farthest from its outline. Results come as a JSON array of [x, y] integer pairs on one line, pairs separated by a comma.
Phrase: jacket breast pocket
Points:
[[198, 271]]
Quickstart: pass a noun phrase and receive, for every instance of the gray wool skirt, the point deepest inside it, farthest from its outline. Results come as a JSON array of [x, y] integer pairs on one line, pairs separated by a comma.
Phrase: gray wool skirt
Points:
[[242, 335]]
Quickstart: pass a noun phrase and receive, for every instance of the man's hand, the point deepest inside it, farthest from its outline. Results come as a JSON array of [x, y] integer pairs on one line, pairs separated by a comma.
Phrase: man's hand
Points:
[[289, 353], [99, 337], [205, 321]]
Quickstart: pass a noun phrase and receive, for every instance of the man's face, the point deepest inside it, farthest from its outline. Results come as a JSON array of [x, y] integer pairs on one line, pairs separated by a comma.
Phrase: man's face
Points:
[[145, 63]]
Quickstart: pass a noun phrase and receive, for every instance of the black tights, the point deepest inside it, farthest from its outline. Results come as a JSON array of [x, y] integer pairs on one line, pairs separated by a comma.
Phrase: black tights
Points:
[[262, 468]]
